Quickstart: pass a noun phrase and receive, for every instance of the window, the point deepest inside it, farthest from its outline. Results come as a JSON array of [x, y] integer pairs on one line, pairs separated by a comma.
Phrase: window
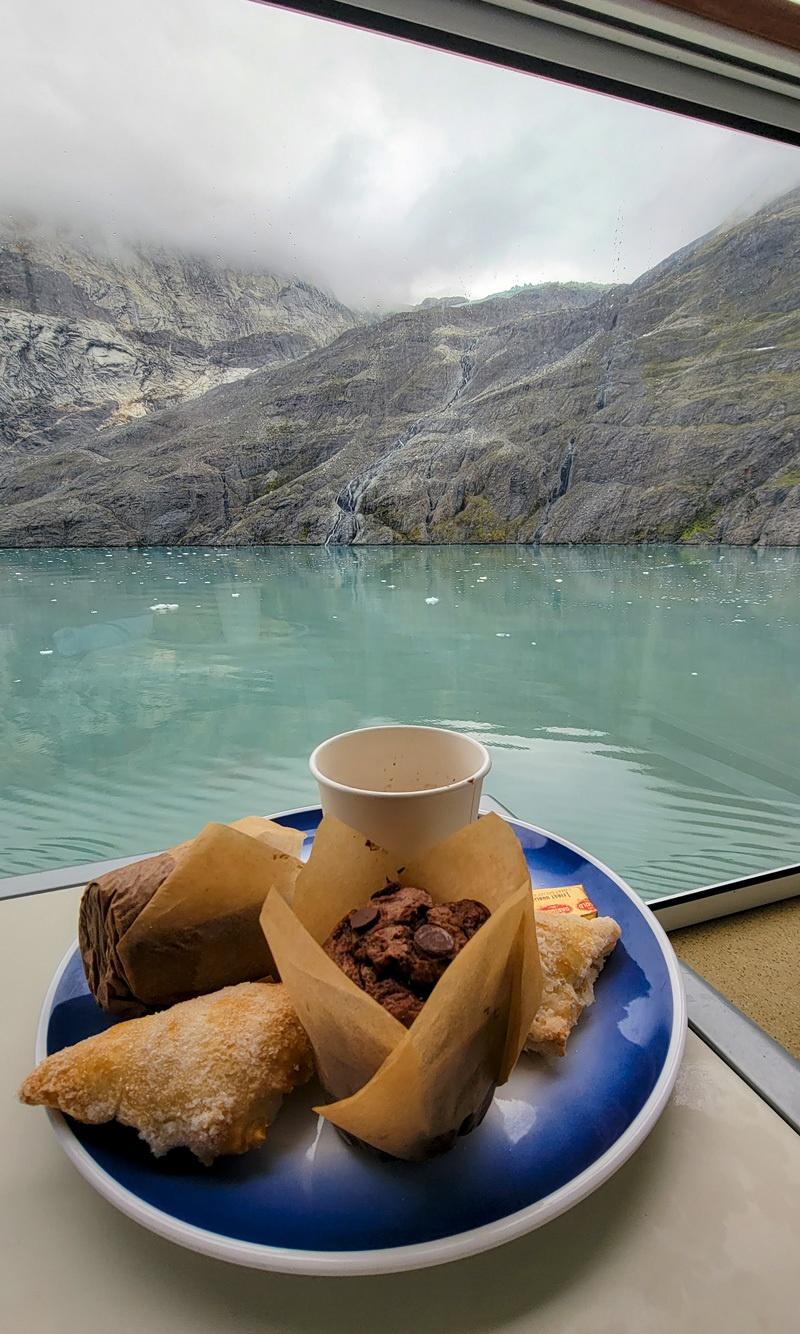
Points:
[[347, 380]]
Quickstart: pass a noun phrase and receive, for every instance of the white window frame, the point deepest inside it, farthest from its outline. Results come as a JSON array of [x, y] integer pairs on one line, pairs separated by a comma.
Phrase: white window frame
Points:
[[638, 51]]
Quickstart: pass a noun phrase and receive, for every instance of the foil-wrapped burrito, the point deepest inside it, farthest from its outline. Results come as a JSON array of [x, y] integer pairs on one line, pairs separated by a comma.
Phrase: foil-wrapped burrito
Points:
[[408, 1092]]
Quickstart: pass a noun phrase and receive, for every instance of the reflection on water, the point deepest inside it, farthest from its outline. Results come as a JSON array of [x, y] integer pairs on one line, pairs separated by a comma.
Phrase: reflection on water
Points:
[[640, 701]]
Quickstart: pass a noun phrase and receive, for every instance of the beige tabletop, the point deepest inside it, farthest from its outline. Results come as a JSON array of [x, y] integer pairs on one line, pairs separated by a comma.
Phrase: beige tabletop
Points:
[[699, 1231]]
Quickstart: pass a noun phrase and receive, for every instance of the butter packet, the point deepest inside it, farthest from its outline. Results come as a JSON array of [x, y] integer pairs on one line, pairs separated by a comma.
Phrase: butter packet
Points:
[[564, 899]]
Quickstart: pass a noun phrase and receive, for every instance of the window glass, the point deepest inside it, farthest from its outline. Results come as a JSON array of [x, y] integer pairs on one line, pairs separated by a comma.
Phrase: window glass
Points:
[[345, 381]]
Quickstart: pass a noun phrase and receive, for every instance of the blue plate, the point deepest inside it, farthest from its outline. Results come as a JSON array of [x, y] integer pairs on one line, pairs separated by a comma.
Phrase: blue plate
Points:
[[307, 1203]]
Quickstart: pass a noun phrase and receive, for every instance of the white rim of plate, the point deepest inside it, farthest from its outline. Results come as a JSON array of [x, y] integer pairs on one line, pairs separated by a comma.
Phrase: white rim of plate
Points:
[[422, 1255]]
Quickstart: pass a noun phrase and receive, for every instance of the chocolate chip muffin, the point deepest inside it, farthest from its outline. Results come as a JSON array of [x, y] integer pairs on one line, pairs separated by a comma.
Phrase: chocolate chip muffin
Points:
[[398, 945]]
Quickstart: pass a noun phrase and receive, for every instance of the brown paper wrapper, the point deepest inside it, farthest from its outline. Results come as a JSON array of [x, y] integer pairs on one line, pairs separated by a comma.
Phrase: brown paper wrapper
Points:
[[409, 1092], [258, 826], [200, 930]]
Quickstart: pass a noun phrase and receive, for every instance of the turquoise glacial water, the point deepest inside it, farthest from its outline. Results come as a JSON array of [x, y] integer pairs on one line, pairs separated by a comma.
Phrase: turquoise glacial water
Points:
[[642, 702]]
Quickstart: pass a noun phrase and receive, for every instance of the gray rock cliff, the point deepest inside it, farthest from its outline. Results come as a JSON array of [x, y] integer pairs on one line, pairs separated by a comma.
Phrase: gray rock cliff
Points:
[[90, 339], [668, 409]]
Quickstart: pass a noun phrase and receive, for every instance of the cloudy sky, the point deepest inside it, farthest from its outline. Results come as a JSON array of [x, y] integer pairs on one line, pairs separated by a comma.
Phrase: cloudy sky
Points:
[[381, 170]]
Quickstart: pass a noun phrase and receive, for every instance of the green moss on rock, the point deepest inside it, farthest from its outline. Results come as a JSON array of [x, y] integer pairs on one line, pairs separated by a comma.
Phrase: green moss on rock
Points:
[[701, 529], [478, 521]]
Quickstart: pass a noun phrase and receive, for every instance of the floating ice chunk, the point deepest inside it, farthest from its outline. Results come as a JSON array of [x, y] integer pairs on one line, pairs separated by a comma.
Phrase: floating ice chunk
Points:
[[431, 601], [45, 652], [235, 595]]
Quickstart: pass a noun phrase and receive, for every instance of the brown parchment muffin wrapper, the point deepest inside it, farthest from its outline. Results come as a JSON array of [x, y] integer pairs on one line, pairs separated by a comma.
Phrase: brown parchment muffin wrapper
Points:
[[409, 1092], [185, 922], [275, 835]]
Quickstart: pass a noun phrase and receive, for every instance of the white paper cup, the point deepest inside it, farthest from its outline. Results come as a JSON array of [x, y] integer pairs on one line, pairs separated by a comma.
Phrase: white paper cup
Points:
[[406, 788]]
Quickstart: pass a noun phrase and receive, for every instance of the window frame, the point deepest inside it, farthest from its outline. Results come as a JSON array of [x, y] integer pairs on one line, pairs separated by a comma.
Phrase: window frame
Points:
[[645, 53], [744, 84]]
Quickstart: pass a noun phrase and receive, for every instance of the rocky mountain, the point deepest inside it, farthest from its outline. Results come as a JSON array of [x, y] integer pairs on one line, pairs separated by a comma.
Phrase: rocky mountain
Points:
[[92, 338], [668, 409], [443, 301]]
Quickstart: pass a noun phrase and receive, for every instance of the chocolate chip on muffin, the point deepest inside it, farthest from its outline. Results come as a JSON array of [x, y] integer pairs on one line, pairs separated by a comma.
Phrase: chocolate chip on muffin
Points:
[[397, 946]]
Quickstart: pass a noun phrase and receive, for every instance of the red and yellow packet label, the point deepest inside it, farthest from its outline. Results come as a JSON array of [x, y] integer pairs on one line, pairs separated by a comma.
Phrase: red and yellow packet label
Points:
[[564, 899]]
